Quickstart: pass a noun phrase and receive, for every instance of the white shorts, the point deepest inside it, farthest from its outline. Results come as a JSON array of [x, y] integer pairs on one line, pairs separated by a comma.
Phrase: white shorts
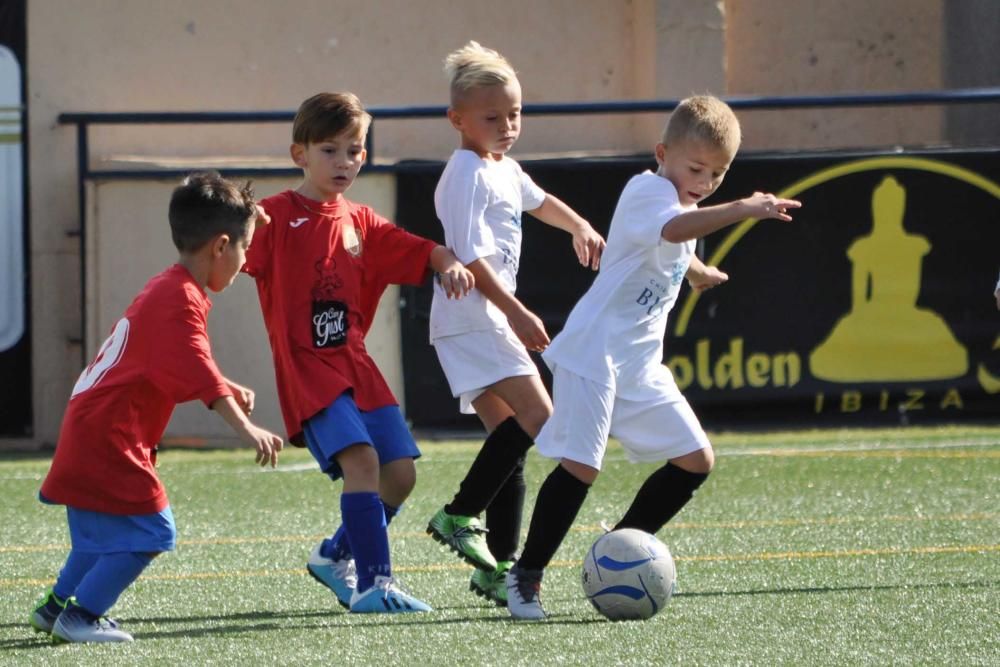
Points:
[[586, 413], [476, 360]]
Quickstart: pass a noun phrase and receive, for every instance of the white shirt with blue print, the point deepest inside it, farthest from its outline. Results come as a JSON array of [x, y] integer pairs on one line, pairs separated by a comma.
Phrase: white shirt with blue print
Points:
[[614, 335], [479, 203]]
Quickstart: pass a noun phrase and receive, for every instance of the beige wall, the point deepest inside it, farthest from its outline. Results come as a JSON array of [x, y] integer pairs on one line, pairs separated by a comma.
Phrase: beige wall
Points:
[[131, 55], [130, 240], [777, 47]]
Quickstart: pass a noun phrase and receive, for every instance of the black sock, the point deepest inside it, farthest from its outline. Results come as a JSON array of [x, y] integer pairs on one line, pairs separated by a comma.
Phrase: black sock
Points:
[[503, 516], [662, 496], [496, 460], [559, 501]]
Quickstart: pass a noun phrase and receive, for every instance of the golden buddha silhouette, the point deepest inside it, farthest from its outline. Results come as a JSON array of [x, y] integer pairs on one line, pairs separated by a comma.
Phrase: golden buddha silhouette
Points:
[[885, 336]]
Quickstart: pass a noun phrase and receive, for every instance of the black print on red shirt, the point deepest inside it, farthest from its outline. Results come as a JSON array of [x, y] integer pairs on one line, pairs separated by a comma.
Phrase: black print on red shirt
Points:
[[329, 315]]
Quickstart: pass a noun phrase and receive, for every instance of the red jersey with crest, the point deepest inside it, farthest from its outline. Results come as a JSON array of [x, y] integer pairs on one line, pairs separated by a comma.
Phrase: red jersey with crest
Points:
[[321, 268], [158, 355]]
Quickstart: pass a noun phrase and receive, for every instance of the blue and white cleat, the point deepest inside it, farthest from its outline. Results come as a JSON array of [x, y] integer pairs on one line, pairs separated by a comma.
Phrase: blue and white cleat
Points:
[[340, 576], [77, 625], [385, 597], [46, 611]]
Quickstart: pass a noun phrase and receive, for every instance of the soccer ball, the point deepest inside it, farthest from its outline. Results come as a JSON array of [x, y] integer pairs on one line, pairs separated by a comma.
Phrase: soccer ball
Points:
[[628, 575]]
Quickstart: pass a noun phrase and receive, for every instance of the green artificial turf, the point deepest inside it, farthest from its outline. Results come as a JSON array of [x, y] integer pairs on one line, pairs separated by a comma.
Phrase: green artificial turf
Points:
[[810, 548]]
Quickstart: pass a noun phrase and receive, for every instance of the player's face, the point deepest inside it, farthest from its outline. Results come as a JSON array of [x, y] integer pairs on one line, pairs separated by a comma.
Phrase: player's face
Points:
[[489, 119], [694, 167], [330, 165], [229, 260]]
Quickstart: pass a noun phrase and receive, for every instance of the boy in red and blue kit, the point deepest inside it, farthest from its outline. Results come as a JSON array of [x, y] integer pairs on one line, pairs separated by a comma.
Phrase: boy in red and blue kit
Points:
[[321, 267], [158, 355]]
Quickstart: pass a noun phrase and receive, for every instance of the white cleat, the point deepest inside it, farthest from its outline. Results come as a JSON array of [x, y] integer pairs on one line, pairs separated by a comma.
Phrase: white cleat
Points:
[[77, 625], [524, 588]]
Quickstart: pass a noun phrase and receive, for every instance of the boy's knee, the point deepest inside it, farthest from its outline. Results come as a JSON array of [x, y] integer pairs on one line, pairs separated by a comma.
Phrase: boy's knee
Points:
[[701, 461], [534, 419], [581, 471], [359, 462], [400, 475]]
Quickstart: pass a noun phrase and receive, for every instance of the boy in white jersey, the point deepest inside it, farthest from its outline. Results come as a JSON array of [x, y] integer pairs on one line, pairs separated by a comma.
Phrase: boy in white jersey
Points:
[[483, 343], [608, 375]]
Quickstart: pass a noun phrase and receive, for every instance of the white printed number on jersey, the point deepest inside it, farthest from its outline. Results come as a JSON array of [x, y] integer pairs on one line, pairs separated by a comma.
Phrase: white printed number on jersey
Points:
[[109, 355]]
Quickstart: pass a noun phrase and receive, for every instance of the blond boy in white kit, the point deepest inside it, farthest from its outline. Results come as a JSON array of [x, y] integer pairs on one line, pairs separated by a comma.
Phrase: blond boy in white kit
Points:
[[483, 342], [608, 375]]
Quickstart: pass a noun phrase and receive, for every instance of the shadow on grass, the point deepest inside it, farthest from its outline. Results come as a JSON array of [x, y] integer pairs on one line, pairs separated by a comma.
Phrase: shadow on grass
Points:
[[335, 618]]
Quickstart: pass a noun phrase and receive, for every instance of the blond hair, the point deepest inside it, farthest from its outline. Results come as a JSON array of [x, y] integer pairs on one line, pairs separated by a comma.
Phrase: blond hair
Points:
[[475, 66], [704, 118]]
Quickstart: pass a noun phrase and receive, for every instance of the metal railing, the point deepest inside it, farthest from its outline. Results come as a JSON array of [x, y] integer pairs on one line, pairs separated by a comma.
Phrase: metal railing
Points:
[[84, 120]]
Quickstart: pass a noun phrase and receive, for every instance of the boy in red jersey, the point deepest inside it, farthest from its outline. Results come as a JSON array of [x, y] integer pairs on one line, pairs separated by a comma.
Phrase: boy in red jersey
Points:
[[158, 355], [320, 267]]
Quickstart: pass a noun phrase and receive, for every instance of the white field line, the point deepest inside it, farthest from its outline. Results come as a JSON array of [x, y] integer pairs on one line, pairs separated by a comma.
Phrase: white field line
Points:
[[874, 449]]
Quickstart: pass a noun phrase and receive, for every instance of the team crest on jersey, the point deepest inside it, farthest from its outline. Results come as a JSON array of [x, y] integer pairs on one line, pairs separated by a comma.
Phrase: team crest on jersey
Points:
[[351, 240]]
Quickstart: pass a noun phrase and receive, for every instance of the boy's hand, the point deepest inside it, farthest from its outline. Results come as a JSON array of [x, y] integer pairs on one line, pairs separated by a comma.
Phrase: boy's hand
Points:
[[456, 281], [763, 206], [262, 217], [530, 330], [589, 245], [243, 396], [707, 278], [266, 443]]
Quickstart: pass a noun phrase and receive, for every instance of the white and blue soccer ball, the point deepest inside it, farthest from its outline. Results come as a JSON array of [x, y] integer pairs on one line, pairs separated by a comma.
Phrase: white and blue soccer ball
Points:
[[628, 575]]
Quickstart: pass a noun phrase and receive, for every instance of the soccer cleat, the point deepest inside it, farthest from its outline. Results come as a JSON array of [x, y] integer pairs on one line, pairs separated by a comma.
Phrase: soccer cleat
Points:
[[77, 625], [492, 585], [46, 611], [465, 536], [385, 597], [524, 588], [340, 576]]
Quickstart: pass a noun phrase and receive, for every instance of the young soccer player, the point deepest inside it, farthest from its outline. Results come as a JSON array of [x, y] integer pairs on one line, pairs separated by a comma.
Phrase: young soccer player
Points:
[[482, 342], [608, 375], [158, 355], [321, 266]]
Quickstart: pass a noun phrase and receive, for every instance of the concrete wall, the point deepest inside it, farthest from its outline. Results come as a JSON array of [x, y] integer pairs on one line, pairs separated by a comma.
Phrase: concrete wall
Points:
[[131, 55], [130, 240]]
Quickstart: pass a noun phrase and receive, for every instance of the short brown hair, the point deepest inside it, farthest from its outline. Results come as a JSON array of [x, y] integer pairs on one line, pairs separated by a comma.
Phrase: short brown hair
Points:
[[205, 205], [704, 118], [325, 115]]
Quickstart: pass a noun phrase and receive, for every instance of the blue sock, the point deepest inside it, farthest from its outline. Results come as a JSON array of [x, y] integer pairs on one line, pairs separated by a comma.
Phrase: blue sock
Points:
[[338, 547], [110, 576], [77, 565], [364, 522]]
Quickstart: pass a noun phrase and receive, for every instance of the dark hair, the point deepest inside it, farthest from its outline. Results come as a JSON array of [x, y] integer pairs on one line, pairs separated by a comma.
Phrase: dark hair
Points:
[[205, 205], [325, 115]]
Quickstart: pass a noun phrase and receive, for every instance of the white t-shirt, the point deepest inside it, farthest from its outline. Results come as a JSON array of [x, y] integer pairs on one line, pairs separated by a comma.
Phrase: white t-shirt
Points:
[[479, 203], [614, 335]]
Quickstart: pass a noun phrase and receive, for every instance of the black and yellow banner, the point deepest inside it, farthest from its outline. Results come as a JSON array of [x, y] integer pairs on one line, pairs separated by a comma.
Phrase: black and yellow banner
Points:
[[875, 306]]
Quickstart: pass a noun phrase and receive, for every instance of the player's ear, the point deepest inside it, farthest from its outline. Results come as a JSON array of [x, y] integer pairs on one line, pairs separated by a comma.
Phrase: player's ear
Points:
[[455, 118], [220, 244], [298, 153], [661, 153]]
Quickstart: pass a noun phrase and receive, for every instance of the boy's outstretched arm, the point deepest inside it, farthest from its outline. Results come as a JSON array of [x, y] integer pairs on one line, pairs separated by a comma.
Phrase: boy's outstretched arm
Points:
[[703, 221], [266, 443], [588, 244], [702, 277], [526, 325], [456, 280]]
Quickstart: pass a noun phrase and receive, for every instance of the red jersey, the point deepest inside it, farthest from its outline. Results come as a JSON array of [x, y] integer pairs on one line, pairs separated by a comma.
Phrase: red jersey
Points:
[[157, 356], [321, 268]]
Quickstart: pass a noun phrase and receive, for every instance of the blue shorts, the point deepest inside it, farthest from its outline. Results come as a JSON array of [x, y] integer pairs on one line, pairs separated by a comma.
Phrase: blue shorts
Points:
[[342, 424], [98, 532]]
